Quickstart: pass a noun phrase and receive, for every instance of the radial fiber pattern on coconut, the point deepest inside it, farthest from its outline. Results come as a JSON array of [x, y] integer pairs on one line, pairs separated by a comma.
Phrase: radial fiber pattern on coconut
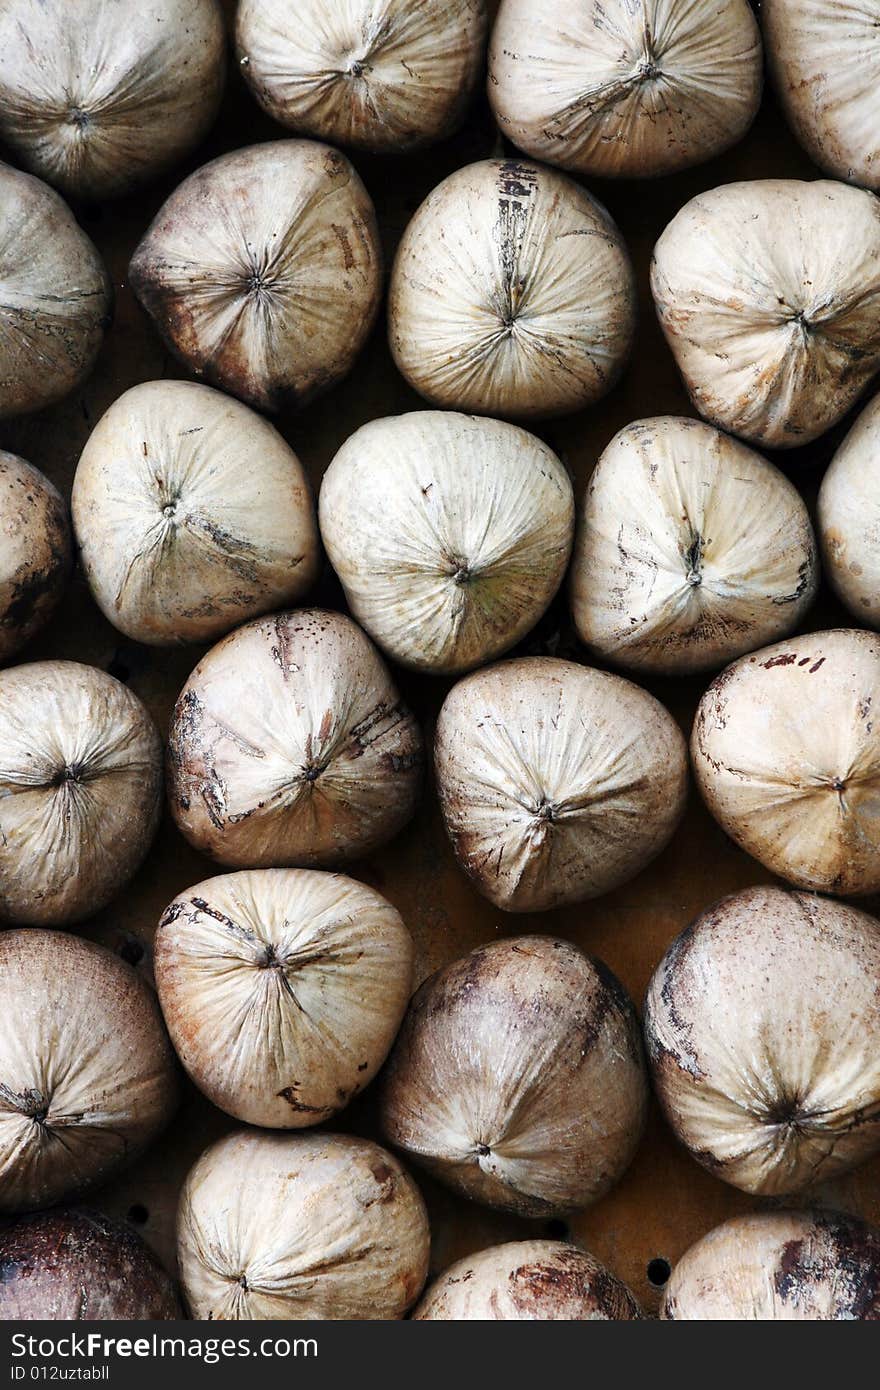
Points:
[[88, 1075], [384, 76], [769, 296], [824, 58], [262, 271], [450, 534], [282, 990], [512, 293], [761, 1024], [192, 514], [96, 97], [786, 754], [556, 782], [849, 518], [692, 549], [518, 1079], [612, 88], [289, 744], [307, 1226]]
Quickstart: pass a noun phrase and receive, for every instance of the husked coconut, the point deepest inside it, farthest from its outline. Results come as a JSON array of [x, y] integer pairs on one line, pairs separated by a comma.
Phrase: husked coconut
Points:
[[517, 1078], [512, 293], [450, 534], [70, 1264], [787, 758], [385, 77], [556, 782], [761, 1023], [618, 89], [87, 1075], [824, 58], [55, 296], [80, 790], [323, 1226], [263, 271], [849, 518], [97, 96], [192, 514], [282, 990], [532, 1280], [289, 744], [35, 552], [691, 550], [786, 1266], [769, 296]]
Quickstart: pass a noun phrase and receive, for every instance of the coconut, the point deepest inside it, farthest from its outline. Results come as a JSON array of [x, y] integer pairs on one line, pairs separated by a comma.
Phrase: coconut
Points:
[[35, 555], [512, 293], [320, 1226], [556, 782], [534, 1280], [282, 990], [692, 549], [262, 271], [450, 533], [87, 1075], [769, 296], [96, 97], [385, 80], [289, 744], [824, 58], [56, 295], [80, 790], [787, 759], [849, 518], [192, 514], [615, 89], [517, 1078], [71, 1264], [790, 1266], [762, 1022]]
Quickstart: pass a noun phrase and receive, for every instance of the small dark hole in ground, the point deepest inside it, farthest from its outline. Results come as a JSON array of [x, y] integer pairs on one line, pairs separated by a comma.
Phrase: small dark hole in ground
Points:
[[557, 1230], [132, 950], [138, 1214], [658, 1272]]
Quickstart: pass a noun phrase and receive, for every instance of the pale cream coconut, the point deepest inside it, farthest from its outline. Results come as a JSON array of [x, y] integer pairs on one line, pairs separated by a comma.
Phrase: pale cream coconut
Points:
[[55, 296], [517, 1078], [97, 96], [556, 782], [87, 1075], [289, 744], [849, 518], [613, 88], [35, 551], [769, 296], [786, 754], [383, 75], [512, 293], [531, 1280], [450, 534], [192, 514], [312, 1226], [824, 58], [779, 1266], [761, 1023], [282, 990], [263, 271], [70, 1264], [691, 550], [80, 790]]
